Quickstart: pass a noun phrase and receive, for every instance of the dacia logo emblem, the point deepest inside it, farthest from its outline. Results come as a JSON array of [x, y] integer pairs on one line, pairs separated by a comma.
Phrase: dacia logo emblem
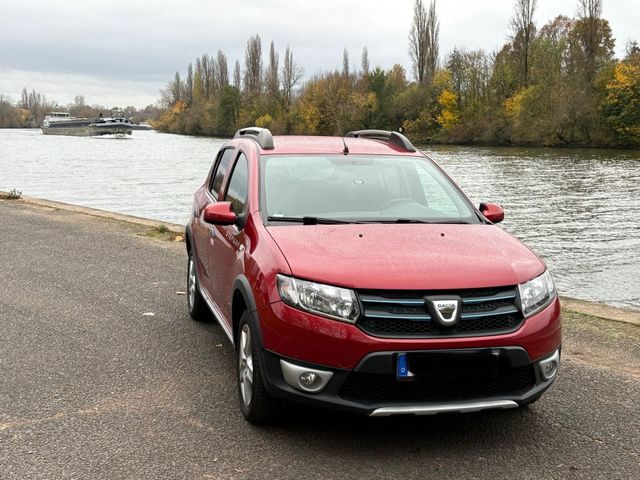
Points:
[[444, 309]]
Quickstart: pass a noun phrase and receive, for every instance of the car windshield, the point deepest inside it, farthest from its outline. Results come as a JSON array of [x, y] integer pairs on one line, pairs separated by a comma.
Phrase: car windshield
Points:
[[360, 188]]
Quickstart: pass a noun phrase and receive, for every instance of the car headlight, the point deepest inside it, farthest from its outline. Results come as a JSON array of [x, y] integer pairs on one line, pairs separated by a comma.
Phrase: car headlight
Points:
[[537, 293], [334, 302]]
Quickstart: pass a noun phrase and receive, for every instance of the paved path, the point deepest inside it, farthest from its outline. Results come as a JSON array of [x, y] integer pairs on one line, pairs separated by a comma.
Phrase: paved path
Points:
[[91, 387]]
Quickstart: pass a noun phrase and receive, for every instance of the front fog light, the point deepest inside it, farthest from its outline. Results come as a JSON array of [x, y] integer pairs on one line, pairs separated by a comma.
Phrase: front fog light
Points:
[[549, 365], [307, 379]]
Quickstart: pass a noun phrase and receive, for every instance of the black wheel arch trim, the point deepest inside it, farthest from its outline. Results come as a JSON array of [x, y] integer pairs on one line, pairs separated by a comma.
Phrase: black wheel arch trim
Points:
[[243, 286]]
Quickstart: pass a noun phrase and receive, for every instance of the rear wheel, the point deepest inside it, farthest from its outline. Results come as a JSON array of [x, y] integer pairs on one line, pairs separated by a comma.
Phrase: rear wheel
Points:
[[256, 404], [195, 302]]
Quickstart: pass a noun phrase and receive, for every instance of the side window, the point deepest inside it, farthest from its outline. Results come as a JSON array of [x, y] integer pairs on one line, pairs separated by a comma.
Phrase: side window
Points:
[[221, 170], [238, 185]]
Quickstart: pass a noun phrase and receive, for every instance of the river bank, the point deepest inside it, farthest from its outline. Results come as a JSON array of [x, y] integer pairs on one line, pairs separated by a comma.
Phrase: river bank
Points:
[[174, 231]]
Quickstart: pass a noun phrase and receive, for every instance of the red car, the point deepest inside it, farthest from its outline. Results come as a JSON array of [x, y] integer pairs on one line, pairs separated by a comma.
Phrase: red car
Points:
[[351, 272]]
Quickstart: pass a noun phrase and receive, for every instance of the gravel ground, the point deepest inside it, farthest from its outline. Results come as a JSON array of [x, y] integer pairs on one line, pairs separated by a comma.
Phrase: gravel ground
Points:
[[104, 375]]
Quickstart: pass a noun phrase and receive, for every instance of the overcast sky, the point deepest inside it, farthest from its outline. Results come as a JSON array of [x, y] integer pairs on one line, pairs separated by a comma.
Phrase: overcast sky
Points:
[[122, 52]]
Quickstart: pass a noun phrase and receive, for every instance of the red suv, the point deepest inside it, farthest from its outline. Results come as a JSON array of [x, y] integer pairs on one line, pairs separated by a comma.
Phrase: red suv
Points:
[[351, 272]]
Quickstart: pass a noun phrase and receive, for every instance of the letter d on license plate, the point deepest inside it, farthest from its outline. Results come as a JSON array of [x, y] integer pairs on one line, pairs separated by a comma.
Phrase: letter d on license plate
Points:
[[402, 368]]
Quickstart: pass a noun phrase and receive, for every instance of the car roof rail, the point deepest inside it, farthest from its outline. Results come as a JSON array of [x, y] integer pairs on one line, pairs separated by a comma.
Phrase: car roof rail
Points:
[[394, 138], [261, 135]]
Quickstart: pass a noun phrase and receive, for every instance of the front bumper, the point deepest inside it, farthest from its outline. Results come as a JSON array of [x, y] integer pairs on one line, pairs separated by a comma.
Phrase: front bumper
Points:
[[305, 337], [372, 387]]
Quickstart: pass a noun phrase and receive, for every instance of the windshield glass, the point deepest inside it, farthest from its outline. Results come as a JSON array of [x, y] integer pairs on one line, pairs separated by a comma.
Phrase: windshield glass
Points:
[[360, 188]]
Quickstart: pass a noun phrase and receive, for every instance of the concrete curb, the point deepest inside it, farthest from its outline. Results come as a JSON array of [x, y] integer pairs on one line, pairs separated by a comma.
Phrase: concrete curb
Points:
[[95, 212], [599, 310], [607, 312]]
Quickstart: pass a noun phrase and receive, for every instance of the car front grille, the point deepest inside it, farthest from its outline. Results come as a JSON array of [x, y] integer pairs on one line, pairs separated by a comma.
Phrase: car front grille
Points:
[[402, 314], [370, 388]]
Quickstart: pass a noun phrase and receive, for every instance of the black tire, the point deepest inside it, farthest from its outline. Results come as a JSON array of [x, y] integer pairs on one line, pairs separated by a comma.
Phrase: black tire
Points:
[[257, 405], [195, 303]]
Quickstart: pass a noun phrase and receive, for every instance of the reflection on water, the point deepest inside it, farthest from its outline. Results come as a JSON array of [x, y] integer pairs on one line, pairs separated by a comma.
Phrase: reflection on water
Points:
[[578, 209]]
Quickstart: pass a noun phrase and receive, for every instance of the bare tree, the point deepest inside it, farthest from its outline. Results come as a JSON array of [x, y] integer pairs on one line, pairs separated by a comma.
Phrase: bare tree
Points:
[[523, 34], [222, 72], [423, 42], [364, 62], [253, 66], [271, 77], [175, 90], [236, 75], [206, 65], [589, 13], [345, 63], [433, 28], [188, 85], [291, 75]]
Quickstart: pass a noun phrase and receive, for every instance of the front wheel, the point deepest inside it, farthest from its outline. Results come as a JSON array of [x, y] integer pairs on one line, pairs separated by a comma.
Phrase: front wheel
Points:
[[195, 302], [256, 404]]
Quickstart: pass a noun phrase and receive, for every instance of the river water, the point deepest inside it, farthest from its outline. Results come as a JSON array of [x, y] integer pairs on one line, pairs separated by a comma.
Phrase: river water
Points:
[[578, 209]]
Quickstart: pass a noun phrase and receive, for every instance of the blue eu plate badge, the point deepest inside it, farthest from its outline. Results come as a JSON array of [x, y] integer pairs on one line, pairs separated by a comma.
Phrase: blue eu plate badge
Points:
[[402, 368]]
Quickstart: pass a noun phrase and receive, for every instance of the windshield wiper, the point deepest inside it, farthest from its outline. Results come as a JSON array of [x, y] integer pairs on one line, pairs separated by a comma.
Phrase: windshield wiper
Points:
[[308, 220], [416, 220]]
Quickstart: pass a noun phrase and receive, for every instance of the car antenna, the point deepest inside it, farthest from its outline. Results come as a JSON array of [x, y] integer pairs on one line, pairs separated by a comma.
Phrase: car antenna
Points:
[[346, 149]]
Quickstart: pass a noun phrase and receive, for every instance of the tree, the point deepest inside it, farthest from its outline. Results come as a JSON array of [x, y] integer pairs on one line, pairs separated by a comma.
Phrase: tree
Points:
[[419, 42], [433, 28], [222, 72], [272, 79], [632, 53], [523, 32], [423, 42], [345, 63], [621, 105], [236, 75], [364, 62], [188, 85], [253, 67], [291, 75], [589, 12]]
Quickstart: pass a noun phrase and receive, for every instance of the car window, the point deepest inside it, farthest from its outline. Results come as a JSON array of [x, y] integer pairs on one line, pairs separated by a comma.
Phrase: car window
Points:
[[238, 185], [221, 170]]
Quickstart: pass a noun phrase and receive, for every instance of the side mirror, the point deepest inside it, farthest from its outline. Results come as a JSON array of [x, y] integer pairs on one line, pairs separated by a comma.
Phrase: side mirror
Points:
[[492, 211], [219, 213]]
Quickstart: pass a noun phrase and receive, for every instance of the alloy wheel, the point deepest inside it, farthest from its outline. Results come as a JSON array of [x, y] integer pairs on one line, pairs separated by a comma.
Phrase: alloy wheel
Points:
[[191, 287], [245, 370]]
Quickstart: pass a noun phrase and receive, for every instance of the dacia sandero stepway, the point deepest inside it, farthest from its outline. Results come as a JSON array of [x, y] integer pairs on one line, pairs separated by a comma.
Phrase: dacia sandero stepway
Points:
[[351, 272]]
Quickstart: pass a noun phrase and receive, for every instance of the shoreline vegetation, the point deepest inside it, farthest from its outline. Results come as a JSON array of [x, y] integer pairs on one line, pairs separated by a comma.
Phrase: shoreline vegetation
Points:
[[555, 85], [558, 85]]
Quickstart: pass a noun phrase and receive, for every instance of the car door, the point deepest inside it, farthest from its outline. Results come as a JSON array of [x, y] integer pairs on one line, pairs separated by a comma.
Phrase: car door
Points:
[[203, 232], [226, 259]]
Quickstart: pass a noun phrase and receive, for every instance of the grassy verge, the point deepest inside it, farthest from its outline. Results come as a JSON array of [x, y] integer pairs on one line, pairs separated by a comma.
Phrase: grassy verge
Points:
[[161, 232], [12, 195]]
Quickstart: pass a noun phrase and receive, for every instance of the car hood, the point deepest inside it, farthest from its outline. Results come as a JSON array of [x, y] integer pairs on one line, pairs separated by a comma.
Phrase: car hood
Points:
[[406, 257]]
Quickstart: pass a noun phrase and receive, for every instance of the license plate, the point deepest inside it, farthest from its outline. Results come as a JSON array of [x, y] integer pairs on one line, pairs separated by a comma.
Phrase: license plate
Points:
[[453, 366]]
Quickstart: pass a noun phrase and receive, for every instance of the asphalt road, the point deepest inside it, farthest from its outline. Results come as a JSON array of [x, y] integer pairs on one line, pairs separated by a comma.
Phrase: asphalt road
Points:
[[93, 386]]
